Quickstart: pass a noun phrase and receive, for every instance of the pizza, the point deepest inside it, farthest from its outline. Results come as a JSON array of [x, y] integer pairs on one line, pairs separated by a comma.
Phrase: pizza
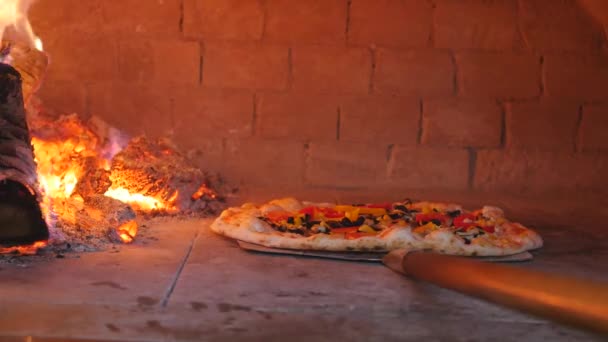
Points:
[[440, 227]]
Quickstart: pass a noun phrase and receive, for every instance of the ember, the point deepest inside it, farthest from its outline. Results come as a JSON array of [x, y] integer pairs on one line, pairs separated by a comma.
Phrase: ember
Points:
[[93, 179]]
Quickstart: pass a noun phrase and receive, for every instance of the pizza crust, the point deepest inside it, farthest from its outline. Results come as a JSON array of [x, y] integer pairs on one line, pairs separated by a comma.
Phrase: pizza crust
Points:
[[242, 223]]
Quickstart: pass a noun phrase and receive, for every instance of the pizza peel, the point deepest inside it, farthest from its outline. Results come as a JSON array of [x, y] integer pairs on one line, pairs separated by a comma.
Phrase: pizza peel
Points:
[[360, 256], [577, 302]]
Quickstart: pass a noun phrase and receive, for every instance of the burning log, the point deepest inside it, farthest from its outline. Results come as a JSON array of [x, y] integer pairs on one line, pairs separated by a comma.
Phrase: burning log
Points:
[[21, 219]]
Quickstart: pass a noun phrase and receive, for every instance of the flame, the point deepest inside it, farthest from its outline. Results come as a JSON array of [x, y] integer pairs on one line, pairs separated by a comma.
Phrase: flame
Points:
[[127, 231], [24, 249], [140, 201], [13, 14]]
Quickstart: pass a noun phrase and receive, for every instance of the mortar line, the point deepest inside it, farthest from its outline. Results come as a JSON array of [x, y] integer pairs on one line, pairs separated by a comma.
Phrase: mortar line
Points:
[[181, 16], [171, 288], [254, 117], [289, 68], [579, 124], [504, 109], [472, 167], [420, 122], [347, 28], [372, 75], [338, 124]]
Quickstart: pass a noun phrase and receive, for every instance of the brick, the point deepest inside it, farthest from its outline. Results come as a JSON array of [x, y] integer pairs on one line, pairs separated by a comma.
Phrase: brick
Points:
[[223, 20], [207, 154], [379, 119], [581, 77], [134, 108], [265, 161], [346, 164], [146, 60], [248, 66], [201, 114], [297, 116], [82, 16], [391, 23], [331, 69], [545, 125], [62, 97], [311, 21], [81, 58], [142, 17], [558, 25], [429, 168], [423, 73], [594, 127], [498, 75], [537, 171], [459, 122], [477, 24]]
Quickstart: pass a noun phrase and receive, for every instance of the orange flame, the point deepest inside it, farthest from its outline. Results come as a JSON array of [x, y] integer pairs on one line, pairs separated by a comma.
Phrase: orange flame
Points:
[[13, 14], [127, 231], [24, 249]]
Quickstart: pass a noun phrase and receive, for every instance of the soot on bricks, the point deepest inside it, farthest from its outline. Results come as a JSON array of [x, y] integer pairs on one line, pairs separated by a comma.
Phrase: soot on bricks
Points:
[[21, 219]]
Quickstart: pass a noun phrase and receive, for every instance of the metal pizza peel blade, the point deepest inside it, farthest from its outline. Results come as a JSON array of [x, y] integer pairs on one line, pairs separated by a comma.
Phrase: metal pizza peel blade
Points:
[[362, 256]]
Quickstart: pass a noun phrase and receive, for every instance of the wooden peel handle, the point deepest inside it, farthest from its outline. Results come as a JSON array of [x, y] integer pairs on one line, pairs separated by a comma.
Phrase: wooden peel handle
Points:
[[572, 301]]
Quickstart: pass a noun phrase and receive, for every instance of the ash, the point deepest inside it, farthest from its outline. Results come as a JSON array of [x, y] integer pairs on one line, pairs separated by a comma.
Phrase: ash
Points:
[[85, 168]]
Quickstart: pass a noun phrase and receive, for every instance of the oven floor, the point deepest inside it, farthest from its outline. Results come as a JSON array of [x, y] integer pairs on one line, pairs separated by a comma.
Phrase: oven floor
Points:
[[182, 282]]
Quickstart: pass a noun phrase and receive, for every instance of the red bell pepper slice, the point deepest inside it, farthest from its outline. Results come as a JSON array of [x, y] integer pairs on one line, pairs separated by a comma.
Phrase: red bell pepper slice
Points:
[[430, 216], [327, 212], [331, 213], [278, 215]]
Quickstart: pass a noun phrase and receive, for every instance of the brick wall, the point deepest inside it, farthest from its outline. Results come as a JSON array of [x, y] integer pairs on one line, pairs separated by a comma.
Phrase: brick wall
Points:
[[482, 95]]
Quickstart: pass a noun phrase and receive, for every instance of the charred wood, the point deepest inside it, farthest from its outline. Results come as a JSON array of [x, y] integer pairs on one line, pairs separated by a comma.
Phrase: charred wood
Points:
[[21, 219]]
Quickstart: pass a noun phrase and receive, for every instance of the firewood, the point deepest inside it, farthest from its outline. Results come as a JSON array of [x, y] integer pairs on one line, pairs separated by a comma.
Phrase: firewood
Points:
[[29, 61], [21, 219]]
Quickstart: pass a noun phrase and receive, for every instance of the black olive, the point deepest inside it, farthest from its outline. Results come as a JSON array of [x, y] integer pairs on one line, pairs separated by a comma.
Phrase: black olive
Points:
[[290, 220], [395, 216], [334, 224], [280, 228], [297, 231], [346, 222], [454, 213], [436, 222], [311, 223], [466, 241], [360, 221], [402, 208]]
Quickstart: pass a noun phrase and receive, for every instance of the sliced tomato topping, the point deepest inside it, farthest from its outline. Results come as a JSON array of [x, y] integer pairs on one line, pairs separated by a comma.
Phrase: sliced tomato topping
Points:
[[308, 210], [488, 229], [278, 215], [459, 221], [420, 218]]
